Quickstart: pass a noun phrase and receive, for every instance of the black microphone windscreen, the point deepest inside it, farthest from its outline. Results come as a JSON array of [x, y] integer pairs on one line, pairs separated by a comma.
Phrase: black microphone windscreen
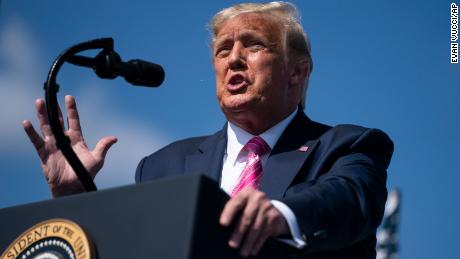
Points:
[[148, 74]]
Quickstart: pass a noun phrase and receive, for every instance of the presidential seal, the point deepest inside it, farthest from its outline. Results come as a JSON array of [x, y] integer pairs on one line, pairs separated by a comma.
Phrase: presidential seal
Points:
[[51, 239]]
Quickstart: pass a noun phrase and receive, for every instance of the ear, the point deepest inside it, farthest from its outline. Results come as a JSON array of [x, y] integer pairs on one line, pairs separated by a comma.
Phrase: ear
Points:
[[299, 72]]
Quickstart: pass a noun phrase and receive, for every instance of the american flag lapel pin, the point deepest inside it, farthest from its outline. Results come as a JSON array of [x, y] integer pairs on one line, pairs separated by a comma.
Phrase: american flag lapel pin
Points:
[[303, 148]]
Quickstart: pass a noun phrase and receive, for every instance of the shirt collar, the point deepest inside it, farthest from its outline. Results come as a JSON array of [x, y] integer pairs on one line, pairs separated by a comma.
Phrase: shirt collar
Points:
[[237, 137]]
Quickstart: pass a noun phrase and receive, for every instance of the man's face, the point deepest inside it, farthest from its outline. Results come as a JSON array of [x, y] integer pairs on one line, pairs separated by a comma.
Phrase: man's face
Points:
[[252, 73]]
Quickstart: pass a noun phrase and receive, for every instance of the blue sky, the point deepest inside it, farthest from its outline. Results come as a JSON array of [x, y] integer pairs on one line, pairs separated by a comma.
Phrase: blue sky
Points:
[[377, 64]]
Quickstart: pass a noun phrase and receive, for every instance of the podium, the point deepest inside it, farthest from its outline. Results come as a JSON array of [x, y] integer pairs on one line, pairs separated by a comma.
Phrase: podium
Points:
[[171, 218]]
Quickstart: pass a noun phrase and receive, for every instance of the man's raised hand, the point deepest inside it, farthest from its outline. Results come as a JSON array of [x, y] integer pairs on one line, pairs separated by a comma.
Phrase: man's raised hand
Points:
[[60, 176]]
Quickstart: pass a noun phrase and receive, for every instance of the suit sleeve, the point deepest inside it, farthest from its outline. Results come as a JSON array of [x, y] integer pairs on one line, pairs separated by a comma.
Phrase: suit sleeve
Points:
[[346, 202]]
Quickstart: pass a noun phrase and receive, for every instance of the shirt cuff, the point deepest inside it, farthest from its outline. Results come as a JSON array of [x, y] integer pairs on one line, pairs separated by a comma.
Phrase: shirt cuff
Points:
[[291, 220]]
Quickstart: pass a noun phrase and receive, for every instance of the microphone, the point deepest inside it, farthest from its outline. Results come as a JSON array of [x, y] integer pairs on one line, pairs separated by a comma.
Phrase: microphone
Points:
[[142, 73], [108, 65]]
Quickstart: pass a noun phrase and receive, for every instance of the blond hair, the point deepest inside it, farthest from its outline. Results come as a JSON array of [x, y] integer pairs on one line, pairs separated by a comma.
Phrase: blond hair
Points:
[[298, 45]]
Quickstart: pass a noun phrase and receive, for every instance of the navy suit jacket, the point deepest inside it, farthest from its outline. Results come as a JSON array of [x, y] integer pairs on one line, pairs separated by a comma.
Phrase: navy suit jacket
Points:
[[336, 187]]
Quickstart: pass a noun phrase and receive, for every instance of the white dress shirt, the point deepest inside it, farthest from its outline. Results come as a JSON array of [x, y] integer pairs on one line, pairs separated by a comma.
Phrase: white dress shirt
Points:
[[235, 160]]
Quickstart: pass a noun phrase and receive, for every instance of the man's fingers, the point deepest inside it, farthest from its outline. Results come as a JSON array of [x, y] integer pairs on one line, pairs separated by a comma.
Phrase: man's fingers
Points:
[[72, 114], [255, 215], [246, 220], [244, 224], [36, 140], [257, 222], [61, 118], [275, 224], [100, 151], [263, 234], [42, 116], [232, 207], [254, 234]]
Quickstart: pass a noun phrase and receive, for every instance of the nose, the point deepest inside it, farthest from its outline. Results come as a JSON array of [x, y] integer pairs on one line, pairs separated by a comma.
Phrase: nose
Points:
[[237, 57]]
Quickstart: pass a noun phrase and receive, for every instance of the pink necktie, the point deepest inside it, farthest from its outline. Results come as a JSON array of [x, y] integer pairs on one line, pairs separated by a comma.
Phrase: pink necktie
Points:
[[252, 172]]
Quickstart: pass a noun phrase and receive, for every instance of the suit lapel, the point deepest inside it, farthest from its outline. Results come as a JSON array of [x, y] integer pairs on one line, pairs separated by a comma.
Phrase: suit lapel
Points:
[[209, 156], [282, 166], [289, 154]]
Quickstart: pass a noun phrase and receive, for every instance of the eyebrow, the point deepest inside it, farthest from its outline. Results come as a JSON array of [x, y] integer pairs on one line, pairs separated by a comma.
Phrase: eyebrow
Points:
[[244, 35], [222, 40]]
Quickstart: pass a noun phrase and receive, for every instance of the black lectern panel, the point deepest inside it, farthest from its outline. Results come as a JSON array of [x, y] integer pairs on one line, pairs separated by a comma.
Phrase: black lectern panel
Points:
[[174, 218]]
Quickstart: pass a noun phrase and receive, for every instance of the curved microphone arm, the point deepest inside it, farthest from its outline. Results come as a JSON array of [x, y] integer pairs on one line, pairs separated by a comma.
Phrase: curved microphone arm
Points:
[[51, 89]]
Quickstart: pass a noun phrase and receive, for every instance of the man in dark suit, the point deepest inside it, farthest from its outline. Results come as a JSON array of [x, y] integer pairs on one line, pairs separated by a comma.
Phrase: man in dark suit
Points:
[[320, 190]]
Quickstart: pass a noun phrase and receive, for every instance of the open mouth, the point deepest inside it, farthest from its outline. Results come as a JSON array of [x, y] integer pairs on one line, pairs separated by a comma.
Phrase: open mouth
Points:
[[236, 83]]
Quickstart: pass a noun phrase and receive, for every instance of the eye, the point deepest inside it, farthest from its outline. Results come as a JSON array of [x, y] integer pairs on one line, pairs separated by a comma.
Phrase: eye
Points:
[[223, 48], [255, 45], [222, 51]]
